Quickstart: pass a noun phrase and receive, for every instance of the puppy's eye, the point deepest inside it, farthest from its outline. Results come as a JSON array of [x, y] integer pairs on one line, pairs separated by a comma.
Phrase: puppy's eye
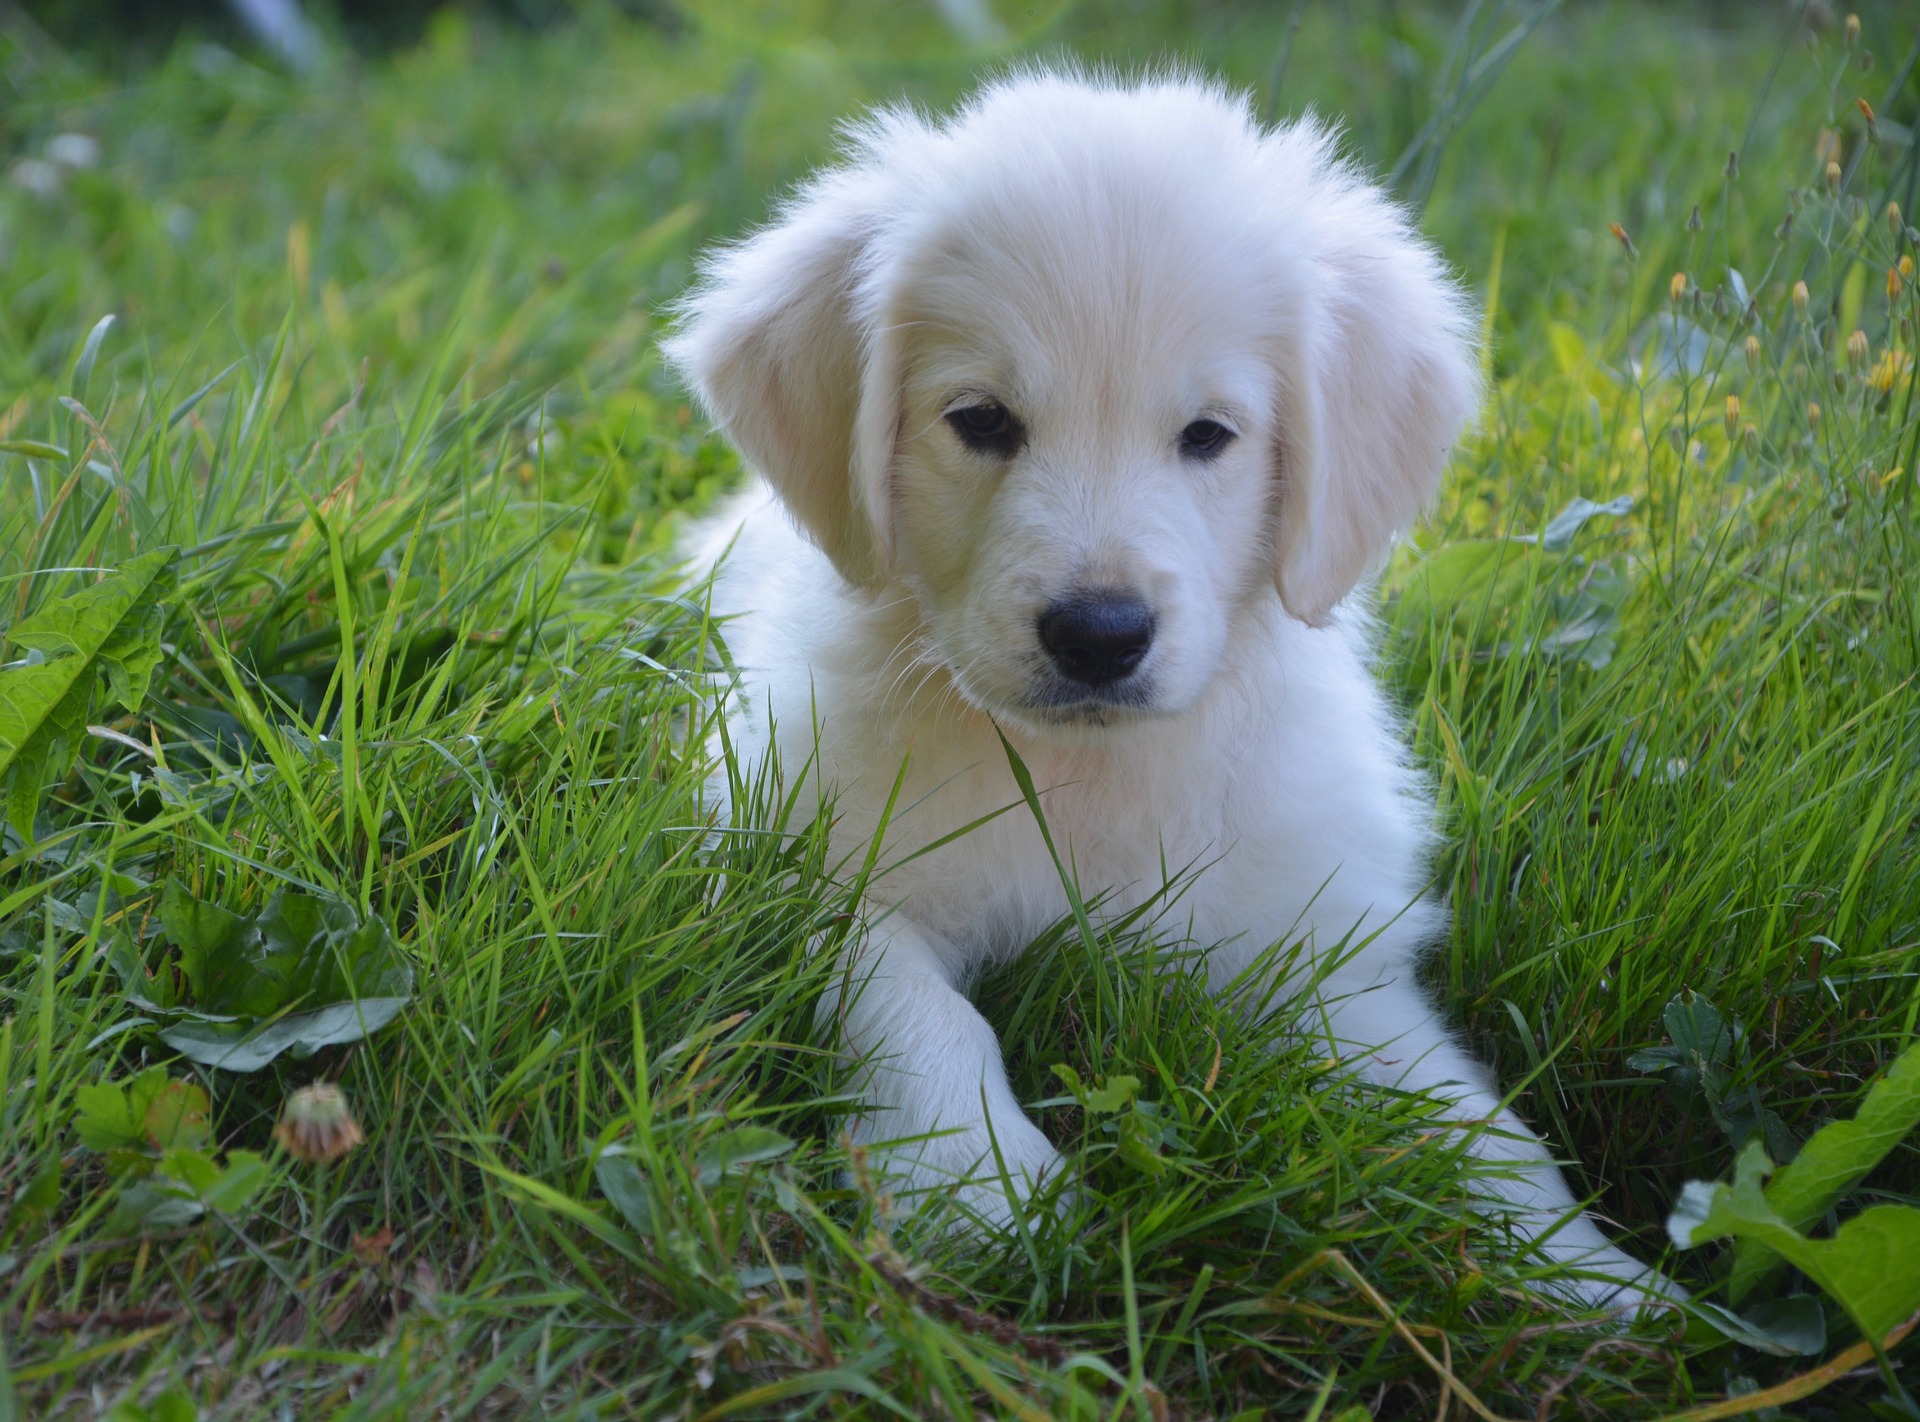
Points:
[[988, 428], [1204, 439]]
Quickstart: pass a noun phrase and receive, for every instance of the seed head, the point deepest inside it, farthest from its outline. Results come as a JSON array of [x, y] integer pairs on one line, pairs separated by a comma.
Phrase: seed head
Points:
[[1753, 350], [1858, 349], [315, 1125], [1733, 415], [1800, 298], [1833, 176], [1677, 288]]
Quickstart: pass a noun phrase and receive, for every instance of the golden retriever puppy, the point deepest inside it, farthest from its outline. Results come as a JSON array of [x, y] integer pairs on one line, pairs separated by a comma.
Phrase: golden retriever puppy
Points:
[[1080, 417]]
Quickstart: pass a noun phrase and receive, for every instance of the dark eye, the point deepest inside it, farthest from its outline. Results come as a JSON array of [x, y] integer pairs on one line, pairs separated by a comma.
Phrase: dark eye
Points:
[[1204, 439], [987, 428]]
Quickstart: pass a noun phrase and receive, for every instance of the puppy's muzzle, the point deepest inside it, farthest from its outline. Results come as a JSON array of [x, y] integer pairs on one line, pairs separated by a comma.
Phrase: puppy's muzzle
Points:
[[1097, 637]]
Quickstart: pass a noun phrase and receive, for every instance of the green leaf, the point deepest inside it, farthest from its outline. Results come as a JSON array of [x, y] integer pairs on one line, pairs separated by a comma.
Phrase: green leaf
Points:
[[240, 1047], [1860, 1267], [32, 449], [1558, 535], [177, 1116], [1793, 1327], [113, 1115], [227, 1189], [208, 938], [89, 353], [621, 1183], [173, 1405], [113, 626], [1116, 1095], [306, 972], [1835, 1160], [732, 1150]]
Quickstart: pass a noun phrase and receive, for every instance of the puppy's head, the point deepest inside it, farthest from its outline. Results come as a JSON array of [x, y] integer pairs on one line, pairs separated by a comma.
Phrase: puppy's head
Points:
[[1087, 369]]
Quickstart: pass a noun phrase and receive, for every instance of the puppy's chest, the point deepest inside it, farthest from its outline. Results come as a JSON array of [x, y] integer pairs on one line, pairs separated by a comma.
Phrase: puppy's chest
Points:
[[1121, 831]]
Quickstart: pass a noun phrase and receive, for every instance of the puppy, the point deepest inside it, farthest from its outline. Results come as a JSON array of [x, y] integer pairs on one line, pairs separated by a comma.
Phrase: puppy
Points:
[[1081, 416]]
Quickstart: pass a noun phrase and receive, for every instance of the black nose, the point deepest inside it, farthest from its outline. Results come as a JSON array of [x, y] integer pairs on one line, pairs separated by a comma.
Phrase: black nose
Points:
[[1097, 637]]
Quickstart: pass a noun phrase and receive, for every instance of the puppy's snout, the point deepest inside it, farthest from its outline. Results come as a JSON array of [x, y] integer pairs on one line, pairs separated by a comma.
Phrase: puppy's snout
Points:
[[1097, 637]]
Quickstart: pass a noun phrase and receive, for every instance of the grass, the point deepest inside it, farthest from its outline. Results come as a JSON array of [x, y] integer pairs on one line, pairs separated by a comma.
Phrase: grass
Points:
[[382, 368]]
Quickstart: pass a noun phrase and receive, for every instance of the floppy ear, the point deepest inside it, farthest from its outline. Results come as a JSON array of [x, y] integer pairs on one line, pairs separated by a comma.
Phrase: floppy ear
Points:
[[777, 343], [1383, 377]]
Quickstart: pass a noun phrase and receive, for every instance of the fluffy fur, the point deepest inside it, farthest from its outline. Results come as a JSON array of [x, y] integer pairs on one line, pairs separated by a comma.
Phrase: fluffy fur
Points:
[[1112, 266]]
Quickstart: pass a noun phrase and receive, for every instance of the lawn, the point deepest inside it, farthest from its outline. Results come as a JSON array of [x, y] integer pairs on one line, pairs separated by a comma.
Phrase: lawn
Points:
[[341, 477]]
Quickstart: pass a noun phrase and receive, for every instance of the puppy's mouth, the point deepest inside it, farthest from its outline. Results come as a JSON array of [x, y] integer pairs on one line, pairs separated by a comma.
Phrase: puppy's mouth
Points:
[[1057, 701]]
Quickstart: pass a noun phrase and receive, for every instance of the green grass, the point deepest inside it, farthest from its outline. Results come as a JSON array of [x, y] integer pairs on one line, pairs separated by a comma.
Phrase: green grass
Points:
[[383, 369]]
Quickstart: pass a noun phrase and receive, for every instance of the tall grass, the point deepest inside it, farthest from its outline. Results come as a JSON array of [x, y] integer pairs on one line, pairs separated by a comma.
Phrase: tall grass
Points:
[[382, 369]]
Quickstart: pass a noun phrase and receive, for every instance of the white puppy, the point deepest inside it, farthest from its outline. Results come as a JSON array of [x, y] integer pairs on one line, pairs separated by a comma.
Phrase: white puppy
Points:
[[1093, 405]]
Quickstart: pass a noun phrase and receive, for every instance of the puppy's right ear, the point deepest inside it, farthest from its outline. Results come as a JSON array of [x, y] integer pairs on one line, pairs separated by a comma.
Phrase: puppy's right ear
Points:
[[775, 342]]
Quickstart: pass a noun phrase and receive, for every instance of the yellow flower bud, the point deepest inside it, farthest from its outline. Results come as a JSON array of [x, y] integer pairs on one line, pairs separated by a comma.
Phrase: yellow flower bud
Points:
[[1852, 30], [1887, 370], [1857, 348], [1753, 350], [1733, 415], [1677, 288], [1800, 298], [1894, 222], [1833, 175], [1813, 412], [1894, 283], [1905, 266]]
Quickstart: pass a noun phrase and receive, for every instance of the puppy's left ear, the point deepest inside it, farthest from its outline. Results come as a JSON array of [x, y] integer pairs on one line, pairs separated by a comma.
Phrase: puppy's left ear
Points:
[[1383, 375], [777, 342]]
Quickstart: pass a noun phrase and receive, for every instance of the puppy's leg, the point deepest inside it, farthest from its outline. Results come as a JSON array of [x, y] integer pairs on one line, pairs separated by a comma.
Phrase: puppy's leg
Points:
[[931, 1073], [1396, 1040]]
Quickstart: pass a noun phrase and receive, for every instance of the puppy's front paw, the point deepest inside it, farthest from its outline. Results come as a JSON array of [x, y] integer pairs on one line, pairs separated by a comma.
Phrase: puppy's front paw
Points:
[[985, 1174], [1610, 1280]]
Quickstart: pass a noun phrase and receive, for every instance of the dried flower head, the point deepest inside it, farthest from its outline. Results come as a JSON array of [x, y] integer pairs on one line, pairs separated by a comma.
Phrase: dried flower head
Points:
[[1857, 349], [1866, 110], [1800, 298], [1620, 235], [316, 1126]]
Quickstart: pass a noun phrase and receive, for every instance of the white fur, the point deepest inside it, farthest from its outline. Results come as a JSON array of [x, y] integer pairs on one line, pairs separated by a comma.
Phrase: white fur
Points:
[[1110, 261]]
